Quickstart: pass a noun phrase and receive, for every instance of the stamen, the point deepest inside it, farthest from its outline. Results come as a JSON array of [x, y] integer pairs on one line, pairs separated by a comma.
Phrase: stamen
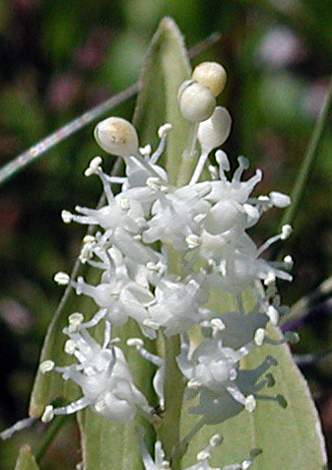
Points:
[[250, 403], [259, 336], [66, 216], [46, 366], [193, 241], [288, 261], [62, 278], [48, 414], [145, 151], [273, 315], [164, 130], [70, 347], [94, 166], [194, 383], [286, 231]]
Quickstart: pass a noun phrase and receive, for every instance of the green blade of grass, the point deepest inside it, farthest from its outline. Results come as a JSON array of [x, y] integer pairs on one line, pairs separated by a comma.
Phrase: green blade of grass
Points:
[[308, 160]]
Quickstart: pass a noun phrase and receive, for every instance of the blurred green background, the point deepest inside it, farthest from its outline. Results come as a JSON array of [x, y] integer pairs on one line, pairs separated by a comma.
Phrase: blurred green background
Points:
[[60, 58]]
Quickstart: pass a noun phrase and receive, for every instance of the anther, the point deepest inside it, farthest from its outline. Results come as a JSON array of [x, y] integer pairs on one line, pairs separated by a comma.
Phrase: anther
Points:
[[66, 216], [62, 278], [164, 130], [48, 414], [46, 366]]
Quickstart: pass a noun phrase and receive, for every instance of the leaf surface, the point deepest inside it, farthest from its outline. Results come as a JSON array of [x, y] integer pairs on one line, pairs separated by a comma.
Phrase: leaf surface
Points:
[[290, 438], [26, 460]]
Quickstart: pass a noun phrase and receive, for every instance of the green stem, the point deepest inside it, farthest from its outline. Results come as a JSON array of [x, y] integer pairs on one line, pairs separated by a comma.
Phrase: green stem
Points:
[[182, 447], [188, 157], [308, 160], [169, 431], [49, 435]]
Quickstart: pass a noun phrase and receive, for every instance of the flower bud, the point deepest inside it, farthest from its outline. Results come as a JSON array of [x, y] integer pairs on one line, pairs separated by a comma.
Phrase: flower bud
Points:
[[214, 131], [117, 136], [211, 75], [196, 101]]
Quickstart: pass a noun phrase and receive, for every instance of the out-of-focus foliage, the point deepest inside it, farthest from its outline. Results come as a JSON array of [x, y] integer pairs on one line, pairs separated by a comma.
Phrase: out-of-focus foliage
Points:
[[57, 59]]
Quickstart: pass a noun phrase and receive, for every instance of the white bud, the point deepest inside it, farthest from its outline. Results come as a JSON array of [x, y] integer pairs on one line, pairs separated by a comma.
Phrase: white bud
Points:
[[214, 131], [117, 136], [196, 101], [48, 414], [211, 75], [46, 366], [62, 278]]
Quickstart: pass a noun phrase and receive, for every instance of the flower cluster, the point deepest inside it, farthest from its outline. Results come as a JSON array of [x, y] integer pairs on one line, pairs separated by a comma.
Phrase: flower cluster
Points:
[[163, 251]]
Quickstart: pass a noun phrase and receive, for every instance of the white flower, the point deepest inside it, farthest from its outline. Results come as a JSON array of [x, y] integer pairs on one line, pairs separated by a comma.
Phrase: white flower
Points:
[[104, 377], [176, 306]]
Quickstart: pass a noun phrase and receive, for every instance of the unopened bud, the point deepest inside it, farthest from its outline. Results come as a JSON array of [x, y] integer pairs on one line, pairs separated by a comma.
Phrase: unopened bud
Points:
[[211, 75], [196, 101], [117, 136], [214, 131]]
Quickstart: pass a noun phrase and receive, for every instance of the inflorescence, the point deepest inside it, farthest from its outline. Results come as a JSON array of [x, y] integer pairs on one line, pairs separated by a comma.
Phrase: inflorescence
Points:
[[146, 223]]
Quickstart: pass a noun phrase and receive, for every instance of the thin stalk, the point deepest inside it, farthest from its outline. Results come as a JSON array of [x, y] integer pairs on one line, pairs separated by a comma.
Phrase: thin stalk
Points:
[[188, 157], [69, 129], [169, 431], [41, 147], [308, 160]]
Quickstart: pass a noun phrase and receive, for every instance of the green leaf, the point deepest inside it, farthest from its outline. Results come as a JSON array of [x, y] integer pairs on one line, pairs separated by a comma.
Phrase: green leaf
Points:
[[290, 438], [26, 460], [166, 66]]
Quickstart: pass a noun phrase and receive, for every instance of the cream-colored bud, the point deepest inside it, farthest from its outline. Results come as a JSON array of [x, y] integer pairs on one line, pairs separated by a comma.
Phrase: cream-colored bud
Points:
[[117, 136], [211, 75], [214, 131], [196, 101]]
